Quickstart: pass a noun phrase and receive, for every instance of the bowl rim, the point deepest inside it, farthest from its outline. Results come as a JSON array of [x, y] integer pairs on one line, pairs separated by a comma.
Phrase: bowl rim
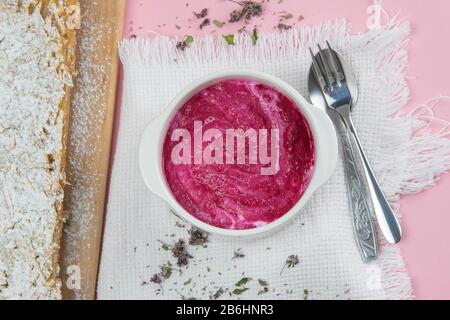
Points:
[[314, 116]]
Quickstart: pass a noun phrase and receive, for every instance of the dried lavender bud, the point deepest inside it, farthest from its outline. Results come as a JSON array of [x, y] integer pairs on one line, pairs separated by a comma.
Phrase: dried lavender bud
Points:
[[291, 262], [201, 14], [205, 23], [282, 26], [197, 238], [156, 279]]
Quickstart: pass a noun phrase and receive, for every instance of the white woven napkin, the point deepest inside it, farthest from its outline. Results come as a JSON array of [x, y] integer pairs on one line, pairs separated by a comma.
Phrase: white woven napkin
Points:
[[330, 266]]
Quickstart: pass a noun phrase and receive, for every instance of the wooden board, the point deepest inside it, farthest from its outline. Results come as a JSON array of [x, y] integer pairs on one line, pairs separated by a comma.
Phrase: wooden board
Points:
[[90, 134]]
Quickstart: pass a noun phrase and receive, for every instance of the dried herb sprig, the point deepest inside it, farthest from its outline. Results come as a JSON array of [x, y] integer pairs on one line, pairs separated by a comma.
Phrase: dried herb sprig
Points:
[[249, 9], [291, 262]]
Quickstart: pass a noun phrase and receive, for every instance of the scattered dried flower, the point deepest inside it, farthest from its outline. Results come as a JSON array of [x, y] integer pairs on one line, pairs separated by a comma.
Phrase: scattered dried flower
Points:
[[186, 43], [197, 238], [179, 252], [285, 16], [249, 9], [202, 13], [156, 278], [217, 295], [205, 23], [283, 26]]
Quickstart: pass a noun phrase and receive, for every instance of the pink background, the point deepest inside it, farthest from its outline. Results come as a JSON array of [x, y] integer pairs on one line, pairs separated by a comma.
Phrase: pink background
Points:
[[426, 216]]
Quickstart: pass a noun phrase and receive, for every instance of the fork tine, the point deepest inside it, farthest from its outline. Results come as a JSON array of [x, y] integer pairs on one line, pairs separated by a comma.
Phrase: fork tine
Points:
[[333, 65], [326, 70], [316, 69]]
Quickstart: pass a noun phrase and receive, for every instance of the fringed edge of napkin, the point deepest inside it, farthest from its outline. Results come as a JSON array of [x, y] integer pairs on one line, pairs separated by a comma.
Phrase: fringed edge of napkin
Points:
[[410, 163], [162, 51], [415, 155]]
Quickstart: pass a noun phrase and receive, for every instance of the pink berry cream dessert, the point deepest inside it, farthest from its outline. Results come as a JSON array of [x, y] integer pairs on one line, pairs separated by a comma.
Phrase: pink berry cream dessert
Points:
[[238, 154]]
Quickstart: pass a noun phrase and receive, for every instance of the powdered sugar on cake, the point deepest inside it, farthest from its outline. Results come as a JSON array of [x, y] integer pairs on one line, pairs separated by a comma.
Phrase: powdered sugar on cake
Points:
[[32, 86]]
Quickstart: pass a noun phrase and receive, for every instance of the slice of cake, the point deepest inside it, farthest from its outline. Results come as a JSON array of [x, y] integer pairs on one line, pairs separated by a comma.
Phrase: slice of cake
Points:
[[37, 63]]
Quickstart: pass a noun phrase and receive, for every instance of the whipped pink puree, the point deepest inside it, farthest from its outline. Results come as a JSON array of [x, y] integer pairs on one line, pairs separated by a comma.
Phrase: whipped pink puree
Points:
[[233, 196]]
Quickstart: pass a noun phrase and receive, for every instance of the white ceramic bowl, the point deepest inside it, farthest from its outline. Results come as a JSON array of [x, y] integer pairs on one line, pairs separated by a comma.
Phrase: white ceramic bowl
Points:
[[150, 153]]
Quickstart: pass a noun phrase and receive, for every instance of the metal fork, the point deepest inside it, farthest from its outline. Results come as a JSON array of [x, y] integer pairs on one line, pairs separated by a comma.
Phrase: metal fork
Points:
[[335, 85]]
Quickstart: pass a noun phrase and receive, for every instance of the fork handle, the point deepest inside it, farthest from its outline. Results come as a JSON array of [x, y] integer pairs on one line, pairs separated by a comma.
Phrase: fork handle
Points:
[[362, 219], [388, 222]]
